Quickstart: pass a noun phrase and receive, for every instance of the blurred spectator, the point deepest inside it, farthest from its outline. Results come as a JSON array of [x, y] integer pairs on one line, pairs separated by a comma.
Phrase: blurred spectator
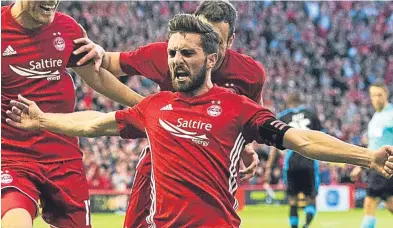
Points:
[[121, 179], [98, 177]]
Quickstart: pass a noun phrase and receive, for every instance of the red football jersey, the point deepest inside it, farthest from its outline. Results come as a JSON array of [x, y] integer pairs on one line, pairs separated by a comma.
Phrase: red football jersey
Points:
[[34, 65], [196, 144], [238, 72]]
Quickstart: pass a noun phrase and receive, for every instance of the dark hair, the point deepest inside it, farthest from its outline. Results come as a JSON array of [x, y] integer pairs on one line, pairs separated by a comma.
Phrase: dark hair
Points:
[[187, 23], [219, 11]]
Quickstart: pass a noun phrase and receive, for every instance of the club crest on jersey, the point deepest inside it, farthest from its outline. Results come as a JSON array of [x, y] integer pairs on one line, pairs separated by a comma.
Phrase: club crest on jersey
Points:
[[6, 178], [59, 43], [215, 109]]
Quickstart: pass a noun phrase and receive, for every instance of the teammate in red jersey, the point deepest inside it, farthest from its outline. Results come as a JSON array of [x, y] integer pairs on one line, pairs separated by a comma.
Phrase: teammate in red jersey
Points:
[[235, 71], [196, 134], [36, 47]]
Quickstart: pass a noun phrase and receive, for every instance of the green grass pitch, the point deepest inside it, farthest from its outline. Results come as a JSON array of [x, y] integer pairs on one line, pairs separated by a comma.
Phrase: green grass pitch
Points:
[[266, 217]]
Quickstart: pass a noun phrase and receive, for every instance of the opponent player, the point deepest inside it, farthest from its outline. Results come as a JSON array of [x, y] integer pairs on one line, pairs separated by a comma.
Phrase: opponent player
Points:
[[197, 139], [235, 71], [380, 132], [36, 48], [301, 174]]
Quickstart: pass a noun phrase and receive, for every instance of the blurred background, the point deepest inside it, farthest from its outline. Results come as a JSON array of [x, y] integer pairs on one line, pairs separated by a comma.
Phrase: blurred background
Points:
[[329, 51]]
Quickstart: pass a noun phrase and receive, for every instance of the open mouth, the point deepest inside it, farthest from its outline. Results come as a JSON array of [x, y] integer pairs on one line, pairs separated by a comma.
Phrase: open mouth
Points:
[[181, 75]]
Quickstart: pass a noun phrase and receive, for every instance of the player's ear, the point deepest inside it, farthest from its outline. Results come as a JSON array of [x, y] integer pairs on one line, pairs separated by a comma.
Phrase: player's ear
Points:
[[211, 60]]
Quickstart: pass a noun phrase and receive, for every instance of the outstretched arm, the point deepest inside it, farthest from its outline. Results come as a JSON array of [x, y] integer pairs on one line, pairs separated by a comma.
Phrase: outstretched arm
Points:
[[320, 146], [262, 126], [25, 114], [84, 124]]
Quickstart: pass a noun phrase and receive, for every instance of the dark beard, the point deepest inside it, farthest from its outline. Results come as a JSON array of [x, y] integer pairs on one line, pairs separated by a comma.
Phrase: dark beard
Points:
[[195, 83]]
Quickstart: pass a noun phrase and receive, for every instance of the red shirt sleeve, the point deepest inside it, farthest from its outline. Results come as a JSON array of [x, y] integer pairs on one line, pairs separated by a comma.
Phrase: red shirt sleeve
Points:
[[128, 131], [262, 126], [74, 33], [253, 117], [150, 61], [131, 121]]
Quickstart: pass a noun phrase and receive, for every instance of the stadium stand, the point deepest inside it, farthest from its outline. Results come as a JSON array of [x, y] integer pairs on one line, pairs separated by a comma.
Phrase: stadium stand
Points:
[[329, 51]]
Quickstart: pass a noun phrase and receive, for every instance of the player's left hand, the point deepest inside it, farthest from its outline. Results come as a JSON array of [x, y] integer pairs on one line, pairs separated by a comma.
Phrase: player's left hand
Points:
[[24, 114], [250, 159], [382, 161], [94, 51]]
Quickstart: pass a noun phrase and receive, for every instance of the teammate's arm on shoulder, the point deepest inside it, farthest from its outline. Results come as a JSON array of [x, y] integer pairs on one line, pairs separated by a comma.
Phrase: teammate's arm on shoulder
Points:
[[149, 60]]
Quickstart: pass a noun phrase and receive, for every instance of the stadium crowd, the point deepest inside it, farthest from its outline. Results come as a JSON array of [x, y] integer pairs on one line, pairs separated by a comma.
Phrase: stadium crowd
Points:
[[328, 51]]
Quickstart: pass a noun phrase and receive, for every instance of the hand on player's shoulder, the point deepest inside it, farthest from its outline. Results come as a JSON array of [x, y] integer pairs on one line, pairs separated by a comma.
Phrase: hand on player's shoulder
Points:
[[91, 50]]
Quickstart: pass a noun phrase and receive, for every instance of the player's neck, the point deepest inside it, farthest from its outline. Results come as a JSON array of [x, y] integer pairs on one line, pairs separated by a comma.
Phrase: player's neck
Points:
[[23, 18], [201, 90]]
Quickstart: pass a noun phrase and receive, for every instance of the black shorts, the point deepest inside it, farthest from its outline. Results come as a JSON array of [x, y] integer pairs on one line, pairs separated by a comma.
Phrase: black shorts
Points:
[[379, 186], [303, 180]]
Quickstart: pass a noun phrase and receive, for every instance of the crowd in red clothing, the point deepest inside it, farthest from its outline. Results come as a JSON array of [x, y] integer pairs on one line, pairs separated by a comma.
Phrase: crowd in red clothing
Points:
[[329, 51]]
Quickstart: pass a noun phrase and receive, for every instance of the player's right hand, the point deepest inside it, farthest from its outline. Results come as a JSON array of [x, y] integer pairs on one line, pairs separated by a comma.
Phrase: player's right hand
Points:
[[382, 161], [24, 114], [94, 51]]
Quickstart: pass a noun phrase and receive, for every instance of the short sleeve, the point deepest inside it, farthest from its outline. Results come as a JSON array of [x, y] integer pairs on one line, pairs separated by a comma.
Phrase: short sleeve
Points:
[[261, 125], [150, 61], [131, 121], [254, 116], [128, 131]]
